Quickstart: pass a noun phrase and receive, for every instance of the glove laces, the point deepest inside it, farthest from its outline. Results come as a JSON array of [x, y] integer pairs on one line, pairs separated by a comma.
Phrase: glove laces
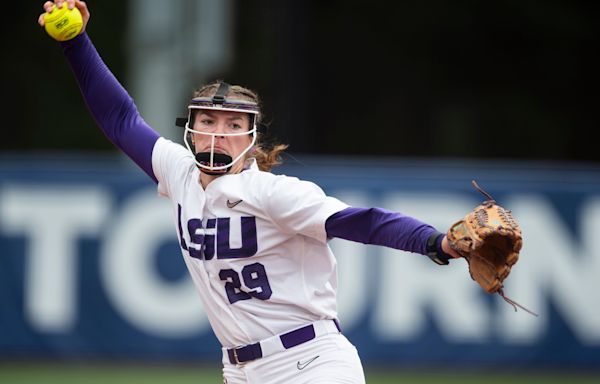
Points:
[[515, 304]]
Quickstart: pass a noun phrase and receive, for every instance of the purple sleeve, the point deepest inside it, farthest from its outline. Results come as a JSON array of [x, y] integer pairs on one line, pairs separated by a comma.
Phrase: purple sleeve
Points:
[[111, 107], [381, 227]]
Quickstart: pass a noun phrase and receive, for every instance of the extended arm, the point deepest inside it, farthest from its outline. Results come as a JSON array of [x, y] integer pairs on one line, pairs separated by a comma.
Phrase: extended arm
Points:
[[391, 229]]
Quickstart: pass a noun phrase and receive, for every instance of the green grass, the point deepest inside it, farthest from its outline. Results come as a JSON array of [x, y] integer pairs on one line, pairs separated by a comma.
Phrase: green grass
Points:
[[74, 373], [479, 378]]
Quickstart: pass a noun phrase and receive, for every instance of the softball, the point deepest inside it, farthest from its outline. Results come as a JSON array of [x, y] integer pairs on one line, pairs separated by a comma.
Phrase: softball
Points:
[[63, 23]]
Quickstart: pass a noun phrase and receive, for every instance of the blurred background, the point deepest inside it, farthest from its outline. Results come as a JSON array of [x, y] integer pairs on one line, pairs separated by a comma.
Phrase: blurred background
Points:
[[393, 104]]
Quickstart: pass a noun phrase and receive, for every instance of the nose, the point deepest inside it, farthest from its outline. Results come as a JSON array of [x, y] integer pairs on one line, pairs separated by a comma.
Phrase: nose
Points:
[[221, 127]]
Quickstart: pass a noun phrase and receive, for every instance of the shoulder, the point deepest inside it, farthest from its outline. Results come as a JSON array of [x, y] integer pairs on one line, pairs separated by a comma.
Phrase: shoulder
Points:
[[255, 176], [170, 157], [280, 190], [170, 149], [172, 164]]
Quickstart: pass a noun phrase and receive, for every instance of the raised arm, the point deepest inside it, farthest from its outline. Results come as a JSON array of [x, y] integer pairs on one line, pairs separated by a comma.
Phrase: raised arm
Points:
[[108, 102]]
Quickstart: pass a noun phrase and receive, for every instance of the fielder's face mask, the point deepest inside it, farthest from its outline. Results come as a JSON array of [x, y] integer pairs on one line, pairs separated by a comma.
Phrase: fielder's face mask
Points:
[[210, 162]]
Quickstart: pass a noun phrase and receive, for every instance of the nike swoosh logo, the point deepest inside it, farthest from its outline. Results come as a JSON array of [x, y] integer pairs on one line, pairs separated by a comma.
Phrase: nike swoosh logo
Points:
[[303, 365], [231, 205]]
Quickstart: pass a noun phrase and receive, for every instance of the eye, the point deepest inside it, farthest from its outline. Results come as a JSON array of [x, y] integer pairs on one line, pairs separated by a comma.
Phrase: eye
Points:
[[236, 126], [206, 121]]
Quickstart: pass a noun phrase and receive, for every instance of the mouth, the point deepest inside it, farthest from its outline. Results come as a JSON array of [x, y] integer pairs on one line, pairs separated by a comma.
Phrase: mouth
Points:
[[205, 159]]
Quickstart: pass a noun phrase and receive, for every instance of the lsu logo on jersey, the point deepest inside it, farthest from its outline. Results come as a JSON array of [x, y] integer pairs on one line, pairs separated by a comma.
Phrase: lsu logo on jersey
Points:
[[213, 239], [251, 282]]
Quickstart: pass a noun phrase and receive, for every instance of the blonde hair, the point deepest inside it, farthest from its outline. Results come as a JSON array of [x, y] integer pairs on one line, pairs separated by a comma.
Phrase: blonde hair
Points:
[[267, 156]]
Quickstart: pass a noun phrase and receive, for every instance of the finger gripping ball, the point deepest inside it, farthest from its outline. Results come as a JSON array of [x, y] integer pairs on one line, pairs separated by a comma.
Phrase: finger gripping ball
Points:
[[63, 23]]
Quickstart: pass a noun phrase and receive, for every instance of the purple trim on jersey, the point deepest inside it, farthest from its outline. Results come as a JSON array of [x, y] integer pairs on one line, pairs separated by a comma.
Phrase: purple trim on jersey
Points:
[[111, 107], [380, 227]]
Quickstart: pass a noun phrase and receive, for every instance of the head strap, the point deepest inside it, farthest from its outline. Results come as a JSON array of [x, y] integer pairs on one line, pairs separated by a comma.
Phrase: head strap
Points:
[[221, 94]]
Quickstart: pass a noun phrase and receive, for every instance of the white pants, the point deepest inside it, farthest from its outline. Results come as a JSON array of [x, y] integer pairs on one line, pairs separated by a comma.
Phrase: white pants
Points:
[[327, 359]]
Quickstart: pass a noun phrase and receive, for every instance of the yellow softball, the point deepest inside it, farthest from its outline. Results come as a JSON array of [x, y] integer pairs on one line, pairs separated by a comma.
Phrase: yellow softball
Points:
[[63, 23]]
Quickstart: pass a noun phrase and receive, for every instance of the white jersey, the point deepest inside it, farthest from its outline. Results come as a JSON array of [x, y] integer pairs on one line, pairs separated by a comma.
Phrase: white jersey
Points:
[[255, 245]]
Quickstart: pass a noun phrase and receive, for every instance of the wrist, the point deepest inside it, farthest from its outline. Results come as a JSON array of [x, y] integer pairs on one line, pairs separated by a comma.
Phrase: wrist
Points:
[[447, 249], [435, 249]]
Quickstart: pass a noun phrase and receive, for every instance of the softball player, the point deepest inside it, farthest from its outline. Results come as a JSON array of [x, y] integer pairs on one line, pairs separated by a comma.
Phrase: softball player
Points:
[[255, 243]]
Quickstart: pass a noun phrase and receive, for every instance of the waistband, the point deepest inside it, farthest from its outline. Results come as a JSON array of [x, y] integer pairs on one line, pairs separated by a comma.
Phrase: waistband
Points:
[[280, 342]]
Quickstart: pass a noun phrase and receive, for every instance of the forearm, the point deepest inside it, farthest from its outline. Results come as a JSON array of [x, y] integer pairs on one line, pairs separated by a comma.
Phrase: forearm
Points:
[[381, 227], [109, 103]]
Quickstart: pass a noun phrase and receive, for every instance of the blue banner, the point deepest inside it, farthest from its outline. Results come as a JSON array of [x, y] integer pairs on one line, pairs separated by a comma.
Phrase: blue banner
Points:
[[90, 265]]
